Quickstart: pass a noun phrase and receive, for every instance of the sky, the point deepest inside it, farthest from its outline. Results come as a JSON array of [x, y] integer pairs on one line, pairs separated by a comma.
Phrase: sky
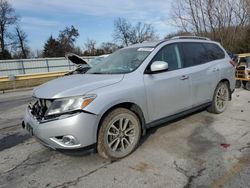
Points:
[[94, 19]]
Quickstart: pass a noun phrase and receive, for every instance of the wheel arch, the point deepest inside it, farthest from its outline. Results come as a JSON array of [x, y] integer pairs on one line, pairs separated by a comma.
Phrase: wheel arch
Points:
[[130, 106]]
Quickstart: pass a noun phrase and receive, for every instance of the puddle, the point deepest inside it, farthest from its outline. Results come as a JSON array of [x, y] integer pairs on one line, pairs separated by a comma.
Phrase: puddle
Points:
[[12, 140]]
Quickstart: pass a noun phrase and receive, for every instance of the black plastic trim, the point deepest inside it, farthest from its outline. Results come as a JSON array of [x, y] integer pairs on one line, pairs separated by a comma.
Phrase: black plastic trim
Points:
[[175, 116], [85, 148]]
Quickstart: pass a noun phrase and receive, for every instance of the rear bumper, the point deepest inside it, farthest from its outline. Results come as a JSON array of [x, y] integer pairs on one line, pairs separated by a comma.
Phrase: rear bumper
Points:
[[82, 126]]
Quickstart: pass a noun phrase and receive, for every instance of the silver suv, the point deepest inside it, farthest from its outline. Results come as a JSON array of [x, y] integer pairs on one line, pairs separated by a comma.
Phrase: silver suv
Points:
[[141, 86]]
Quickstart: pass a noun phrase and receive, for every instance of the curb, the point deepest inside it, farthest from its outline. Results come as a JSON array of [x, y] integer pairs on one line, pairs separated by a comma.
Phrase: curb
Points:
[[16, 90]]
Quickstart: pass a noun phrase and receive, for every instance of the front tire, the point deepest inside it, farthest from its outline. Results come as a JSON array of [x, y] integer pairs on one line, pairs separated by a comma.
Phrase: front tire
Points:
[[119, 134], [247, 86], [244, 84], [220, 99]]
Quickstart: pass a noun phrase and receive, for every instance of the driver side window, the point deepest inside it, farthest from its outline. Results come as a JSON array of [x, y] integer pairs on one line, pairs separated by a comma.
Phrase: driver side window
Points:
[[171, 55]]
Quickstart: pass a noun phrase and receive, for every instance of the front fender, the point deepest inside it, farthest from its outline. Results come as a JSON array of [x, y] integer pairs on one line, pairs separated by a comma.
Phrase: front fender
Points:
[[116, 94]]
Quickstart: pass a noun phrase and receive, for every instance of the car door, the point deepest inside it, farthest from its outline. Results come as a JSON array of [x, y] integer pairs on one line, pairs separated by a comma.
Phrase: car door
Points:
[[168, 92], [204, 71]]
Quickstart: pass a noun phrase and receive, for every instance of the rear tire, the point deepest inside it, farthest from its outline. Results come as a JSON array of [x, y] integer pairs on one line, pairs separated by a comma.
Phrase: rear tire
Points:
[[237, 84], [244, 84], [119, 134], [220, 99], [247, 86]]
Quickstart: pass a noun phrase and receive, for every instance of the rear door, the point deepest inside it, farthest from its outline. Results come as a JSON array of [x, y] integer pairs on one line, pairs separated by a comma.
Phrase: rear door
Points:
[[168, 92], [204, 68]]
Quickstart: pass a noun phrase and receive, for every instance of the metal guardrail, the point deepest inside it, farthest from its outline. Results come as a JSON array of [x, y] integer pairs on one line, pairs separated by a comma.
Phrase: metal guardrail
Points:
[[21, 73], [33, 76], [39, 65], [27, 80]]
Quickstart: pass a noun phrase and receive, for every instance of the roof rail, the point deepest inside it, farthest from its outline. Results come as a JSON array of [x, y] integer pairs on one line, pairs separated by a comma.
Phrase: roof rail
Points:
[[190, 37]]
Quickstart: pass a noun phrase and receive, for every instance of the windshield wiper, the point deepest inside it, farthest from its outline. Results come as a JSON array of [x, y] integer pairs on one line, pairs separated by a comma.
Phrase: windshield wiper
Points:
[[107, 72], [79, 70], [96, 73]]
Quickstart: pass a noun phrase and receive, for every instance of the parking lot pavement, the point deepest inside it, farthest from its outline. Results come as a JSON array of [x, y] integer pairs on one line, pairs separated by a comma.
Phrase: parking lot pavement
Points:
[[201, 149]]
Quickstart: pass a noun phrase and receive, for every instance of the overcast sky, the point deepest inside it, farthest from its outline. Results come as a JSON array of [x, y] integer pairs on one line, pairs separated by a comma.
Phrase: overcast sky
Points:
[[93, 19]]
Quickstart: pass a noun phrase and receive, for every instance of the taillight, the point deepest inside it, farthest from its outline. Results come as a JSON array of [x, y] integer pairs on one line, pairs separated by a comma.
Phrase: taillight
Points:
[[232, 63]]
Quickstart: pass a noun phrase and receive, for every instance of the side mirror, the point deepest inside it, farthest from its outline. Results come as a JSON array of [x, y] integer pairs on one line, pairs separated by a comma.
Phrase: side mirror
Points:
[[158, 66]]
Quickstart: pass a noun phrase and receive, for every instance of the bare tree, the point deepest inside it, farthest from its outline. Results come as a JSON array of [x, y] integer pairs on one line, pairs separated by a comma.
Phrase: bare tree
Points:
[[37, 53], [20, 43], [7, 18], [123, 31], [90, 47], [142, 32], [109, 47], [127, 34], [67, 38], [220, 20]]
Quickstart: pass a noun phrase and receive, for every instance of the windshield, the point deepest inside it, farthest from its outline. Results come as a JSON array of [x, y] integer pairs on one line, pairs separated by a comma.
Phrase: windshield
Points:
[[95, 61], [122, 61]]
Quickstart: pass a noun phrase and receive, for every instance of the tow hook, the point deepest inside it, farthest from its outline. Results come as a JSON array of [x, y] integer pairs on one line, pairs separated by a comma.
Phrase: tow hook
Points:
[[23, 124]]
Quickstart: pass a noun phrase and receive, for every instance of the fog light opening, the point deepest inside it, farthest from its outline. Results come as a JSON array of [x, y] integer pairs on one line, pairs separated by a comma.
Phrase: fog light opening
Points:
[[69, 140]]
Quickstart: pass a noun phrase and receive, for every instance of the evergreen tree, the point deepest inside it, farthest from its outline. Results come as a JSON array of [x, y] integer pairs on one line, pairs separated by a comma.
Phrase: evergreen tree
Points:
[[52, 48]]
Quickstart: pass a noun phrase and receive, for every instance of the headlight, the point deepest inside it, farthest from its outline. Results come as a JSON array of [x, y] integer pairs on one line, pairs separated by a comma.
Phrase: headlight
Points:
[[69, 104], [32, 102]]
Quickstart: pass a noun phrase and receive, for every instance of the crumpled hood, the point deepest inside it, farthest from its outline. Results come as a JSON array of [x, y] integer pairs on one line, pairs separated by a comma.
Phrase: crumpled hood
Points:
[[75, 85], [76, 59]]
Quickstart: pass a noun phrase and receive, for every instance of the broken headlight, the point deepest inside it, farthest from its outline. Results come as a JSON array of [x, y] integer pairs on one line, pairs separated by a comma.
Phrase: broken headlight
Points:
[[66, 105]]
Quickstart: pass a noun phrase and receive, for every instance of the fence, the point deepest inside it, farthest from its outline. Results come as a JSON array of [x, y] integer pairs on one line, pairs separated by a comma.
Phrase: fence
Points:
[[32, 66]]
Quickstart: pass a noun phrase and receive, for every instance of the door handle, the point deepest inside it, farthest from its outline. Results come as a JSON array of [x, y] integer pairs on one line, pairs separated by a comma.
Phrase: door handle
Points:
[[184, 77], [215, 69]]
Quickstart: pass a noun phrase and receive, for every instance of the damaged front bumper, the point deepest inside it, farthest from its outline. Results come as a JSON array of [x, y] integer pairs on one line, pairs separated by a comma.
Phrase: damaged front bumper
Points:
[[66, 132]]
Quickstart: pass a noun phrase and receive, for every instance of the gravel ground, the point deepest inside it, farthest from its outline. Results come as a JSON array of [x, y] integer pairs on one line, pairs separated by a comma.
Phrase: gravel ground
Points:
[[199, 150]]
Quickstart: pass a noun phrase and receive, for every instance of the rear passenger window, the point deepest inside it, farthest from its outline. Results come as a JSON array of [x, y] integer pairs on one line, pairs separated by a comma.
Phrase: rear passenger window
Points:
[[194, 54], [170, 54], [214, 52]]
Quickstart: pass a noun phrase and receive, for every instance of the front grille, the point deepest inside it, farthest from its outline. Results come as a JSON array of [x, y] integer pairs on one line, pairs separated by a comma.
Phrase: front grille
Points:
[[40, 107]]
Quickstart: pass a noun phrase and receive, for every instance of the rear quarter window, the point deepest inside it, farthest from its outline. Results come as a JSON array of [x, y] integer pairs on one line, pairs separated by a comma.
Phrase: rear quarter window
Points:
[[194, 53], [214, 52]]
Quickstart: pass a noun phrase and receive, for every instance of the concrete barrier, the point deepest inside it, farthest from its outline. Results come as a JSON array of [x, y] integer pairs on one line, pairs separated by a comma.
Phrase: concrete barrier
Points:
[[27, 80]]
